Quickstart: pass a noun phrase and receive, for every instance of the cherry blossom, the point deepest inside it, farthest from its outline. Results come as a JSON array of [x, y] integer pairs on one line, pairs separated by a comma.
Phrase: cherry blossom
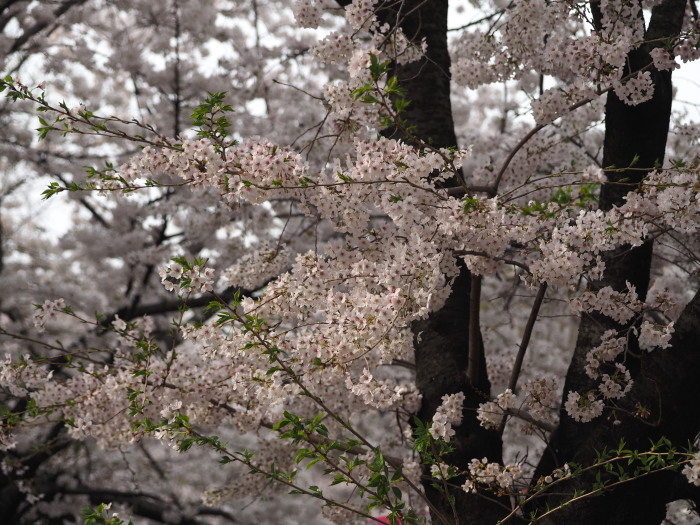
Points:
[[261, 284]]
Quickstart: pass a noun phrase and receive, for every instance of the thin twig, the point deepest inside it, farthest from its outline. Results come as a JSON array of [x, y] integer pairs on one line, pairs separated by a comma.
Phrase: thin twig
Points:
[[517, 366]]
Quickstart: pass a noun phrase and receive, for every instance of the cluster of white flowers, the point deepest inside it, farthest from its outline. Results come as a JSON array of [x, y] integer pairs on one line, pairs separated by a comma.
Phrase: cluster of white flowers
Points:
[[257, 165], [345, 108], [622, 19], [541, 397], [48, 311], [307, 13], [349, 306], [23, 376], [17, 471], [176, 279], [653, 335], [550, 106], [412, 471], [663, 60], [472, 73], [595, 58], [583, 409], [442, 471], [687, 49], [195, 161], [692, 470], [449, 413], [616, 384], [616, 380], [361, 16], [339, 313], [609, 348], [635, 90], [171, 410], [257, 267], [480, 58], [491, 474], [664, 294], [129, 334], [376, 393], [559, 473], [403, 49], [619, 306], [672, 194], [335, 47], [593, 174], [558, 264], [29, 492], [7, 439], [491, 413], [574, 249]]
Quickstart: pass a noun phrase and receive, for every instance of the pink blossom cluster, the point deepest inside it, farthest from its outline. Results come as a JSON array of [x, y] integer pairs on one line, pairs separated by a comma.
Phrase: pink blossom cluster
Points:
[[478, 61], [655, 335], [620, 306], [175, 278], [558, 473], [491, 413], [342, 312], [608, 350], [583, 408], [541, 398], [487, 473], [335, 47], [307, 13], [23, 376], [635, 90], [663, 60], [402, 48], [48, 311], [361, 16], [447, 415], [692, 470], [671, 196], [688, 49], [257, 267], [390, 176], [348, 113], [617, 383]]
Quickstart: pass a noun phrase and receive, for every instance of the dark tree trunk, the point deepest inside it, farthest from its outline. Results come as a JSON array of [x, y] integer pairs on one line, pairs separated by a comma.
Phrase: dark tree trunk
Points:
[[442, 340], [441, 345], [634, 135], [427, 81]]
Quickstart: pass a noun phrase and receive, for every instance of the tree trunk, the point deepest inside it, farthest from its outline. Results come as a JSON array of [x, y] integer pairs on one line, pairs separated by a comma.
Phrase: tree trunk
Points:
[[665, 380], [442, 340]]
